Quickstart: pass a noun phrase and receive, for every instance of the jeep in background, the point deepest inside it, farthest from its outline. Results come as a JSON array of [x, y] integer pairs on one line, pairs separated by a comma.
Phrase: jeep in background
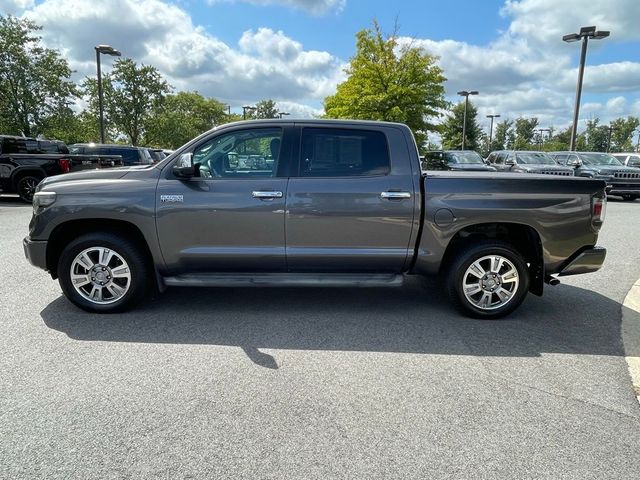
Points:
[[311, 203], [527, 162], [622, 181], [455, 160], [25, 161], [130, 155]]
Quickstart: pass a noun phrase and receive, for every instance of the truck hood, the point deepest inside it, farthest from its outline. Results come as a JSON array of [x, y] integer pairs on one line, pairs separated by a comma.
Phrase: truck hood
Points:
[[543, 167], [471, 167], [97, 174]]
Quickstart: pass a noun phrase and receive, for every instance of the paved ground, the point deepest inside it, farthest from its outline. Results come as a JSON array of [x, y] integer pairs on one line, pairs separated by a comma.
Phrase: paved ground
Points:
[[211, 383]]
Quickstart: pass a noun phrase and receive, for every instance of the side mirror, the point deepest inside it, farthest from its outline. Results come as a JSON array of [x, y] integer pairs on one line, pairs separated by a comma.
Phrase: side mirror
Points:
[[183, 168], [510, 161], [574, 163]]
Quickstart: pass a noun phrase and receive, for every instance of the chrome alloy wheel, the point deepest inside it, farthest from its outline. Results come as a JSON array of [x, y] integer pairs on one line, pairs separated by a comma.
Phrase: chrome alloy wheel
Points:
[[490, 282], [100, 275]]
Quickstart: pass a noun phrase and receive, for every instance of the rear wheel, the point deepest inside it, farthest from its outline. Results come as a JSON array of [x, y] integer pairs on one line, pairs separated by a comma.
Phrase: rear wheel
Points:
[[26, 187], [488, 279], [101, 272]]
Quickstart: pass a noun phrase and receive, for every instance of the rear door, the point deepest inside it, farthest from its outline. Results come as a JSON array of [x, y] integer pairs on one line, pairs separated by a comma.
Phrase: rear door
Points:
[[350, 205]]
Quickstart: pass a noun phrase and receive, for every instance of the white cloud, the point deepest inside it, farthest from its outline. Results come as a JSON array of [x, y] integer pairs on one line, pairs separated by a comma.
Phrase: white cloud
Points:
[[14, 7], [315, 7], [265, 64]]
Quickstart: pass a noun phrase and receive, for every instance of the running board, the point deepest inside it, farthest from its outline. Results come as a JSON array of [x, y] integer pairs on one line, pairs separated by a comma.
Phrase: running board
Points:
[[284, 280]]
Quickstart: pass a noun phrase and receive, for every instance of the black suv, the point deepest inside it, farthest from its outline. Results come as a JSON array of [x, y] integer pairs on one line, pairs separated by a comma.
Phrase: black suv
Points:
[[130, 155], [526, 161], [465, 160], [622, 181]]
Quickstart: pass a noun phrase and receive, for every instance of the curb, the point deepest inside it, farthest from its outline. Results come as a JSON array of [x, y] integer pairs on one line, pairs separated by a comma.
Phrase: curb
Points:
[[631, 335]]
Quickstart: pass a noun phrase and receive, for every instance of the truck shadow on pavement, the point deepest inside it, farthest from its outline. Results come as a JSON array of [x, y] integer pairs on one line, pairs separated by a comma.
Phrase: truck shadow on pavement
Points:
[[415, 318]]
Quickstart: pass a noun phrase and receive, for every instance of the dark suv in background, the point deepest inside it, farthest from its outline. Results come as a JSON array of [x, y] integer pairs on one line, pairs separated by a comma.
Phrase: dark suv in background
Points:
[[622, 181], [462, 160], [130, 155], [527, 162]]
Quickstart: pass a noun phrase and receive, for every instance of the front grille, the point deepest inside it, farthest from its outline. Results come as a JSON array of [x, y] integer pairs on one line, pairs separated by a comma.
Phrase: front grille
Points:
[[557, 172], [626, 175]]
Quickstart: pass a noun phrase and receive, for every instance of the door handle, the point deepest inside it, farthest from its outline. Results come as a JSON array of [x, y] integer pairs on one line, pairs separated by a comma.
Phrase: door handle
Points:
[[395, 195], [263, 194]]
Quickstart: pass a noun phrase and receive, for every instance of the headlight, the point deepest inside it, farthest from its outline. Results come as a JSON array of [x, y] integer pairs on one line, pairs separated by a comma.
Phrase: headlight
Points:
[[42, 200]]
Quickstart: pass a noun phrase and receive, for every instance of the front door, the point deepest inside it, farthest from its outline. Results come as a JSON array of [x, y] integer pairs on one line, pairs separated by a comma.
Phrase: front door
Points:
[[230, 216], [350, 208]]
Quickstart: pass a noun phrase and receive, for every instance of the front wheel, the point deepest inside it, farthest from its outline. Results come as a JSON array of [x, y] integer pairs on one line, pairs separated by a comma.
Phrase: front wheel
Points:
[[102, 272], [488, 279]]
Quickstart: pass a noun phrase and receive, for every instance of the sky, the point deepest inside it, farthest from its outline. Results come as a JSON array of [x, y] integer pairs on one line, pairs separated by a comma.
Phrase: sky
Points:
[[295, 51]]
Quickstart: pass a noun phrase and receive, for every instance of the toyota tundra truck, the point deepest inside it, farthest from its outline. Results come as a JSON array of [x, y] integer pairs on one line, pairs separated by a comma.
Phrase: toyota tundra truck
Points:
[[311, 203]]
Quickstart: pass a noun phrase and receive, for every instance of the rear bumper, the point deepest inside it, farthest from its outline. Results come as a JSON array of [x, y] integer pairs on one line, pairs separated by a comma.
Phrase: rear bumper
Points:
[[587, 261], [36, 252]]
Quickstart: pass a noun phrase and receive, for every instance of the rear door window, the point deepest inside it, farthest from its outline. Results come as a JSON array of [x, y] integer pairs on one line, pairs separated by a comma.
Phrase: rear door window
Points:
[[338, 152]]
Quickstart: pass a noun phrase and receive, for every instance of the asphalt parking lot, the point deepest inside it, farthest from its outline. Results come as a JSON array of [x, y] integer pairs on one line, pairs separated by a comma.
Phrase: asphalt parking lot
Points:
[[317, 383]]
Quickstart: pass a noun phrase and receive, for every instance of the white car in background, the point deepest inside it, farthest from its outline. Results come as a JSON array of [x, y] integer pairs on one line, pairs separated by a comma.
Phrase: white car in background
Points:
[[629, 159]]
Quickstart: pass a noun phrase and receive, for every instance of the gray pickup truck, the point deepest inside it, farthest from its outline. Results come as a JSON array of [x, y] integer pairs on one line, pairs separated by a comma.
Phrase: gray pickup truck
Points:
[[311, 203]]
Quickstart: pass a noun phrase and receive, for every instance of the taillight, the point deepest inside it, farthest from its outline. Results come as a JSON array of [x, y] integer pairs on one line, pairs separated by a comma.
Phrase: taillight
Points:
[[598, 211], [65, 165]]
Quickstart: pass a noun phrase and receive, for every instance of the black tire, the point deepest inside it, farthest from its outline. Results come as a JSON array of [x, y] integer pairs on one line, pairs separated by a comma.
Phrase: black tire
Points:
[[26, 187], [139, 270], [465, 257]]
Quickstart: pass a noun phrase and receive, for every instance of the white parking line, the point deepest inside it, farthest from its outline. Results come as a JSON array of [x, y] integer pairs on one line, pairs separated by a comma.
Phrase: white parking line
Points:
[[631, 334]]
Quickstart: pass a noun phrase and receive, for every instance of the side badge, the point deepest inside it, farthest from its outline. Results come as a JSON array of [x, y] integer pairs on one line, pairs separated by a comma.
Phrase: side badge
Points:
[[172, 198]]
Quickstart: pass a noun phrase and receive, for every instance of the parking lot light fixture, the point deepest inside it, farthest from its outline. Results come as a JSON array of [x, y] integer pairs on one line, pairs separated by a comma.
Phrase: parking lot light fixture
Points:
[[585, 34], [247, 108], [281, 114], [491, 128], [465, 94], [104, 50]]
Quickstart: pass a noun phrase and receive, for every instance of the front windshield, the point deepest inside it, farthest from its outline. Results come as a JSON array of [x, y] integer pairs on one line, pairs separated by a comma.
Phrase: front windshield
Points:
[[599, 159], [73, 149], [464, 157], [535, 158]]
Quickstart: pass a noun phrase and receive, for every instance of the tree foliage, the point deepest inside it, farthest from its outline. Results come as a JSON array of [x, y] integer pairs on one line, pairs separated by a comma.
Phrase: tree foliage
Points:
[[265, 109], [35, 83], [182, 117], [131, 94], [390, 81], [525, 133], [451, 129]]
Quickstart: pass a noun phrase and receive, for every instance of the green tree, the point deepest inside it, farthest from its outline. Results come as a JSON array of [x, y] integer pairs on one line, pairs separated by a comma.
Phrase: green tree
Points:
[[182, 117], [622, 133], [451, 129], [131, 94], [503, 137], [558, 141], [35, 81], [390, 81], [265, 109], [596, 136], [525, 133]]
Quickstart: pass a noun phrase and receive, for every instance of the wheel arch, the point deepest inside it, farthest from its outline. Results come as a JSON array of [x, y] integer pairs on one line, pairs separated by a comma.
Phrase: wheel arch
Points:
[[65, 232], [524, 238]]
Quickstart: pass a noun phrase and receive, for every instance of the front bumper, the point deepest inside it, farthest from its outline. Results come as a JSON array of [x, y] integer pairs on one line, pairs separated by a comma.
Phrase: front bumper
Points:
[[36, 252], [589, 260], [623, 188]]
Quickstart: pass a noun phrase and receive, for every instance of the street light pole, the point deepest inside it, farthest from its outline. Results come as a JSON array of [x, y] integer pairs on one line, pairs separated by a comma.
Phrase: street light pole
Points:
[[611, 128], [491, 128], [465, 94], [244, 111], [107, 50], [585, 34]]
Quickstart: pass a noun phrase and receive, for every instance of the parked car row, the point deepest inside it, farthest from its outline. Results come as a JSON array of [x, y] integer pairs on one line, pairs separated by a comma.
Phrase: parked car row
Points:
[[618, 170], [25, 161]]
